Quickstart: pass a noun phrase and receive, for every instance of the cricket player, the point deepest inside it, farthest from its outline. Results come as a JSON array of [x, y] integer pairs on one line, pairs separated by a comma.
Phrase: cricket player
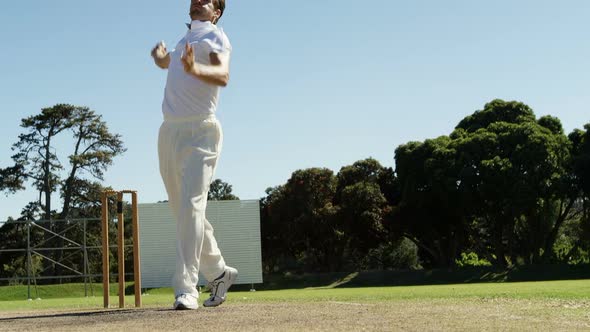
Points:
[[189, 145]]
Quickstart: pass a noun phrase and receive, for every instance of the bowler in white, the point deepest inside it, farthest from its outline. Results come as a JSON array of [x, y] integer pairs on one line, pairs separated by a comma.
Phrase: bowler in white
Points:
[[189, 145]]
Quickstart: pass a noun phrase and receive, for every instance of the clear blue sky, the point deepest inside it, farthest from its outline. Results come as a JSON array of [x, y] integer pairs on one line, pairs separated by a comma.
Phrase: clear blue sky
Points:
[[313, 83]]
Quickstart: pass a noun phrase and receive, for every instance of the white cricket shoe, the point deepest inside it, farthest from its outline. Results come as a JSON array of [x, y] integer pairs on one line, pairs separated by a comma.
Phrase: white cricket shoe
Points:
[[220, 286], [186, 302]]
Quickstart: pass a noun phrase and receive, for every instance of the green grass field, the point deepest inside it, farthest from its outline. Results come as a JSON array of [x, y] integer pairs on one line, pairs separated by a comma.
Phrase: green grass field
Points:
[[546, 290], [521, 306]]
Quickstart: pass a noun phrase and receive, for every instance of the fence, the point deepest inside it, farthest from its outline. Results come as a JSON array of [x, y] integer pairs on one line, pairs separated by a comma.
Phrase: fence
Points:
[[236, 223], [72, 246]]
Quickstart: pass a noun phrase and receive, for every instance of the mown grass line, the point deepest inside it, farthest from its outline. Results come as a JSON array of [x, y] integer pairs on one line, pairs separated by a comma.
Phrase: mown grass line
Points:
[[574, 290]]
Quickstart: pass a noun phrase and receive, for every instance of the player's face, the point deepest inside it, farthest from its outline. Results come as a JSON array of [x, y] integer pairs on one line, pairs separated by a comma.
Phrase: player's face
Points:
[[204, 10]]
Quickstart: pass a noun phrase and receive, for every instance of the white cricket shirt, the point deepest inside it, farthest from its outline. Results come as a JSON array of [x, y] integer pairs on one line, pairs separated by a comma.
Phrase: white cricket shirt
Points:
[[186, 95]]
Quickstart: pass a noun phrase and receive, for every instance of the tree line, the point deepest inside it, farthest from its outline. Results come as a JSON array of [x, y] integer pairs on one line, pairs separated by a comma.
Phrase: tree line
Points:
[[502, 188]]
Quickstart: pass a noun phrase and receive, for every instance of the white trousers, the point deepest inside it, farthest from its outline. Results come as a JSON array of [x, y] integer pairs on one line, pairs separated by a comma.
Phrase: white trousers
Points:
[[188, 150]]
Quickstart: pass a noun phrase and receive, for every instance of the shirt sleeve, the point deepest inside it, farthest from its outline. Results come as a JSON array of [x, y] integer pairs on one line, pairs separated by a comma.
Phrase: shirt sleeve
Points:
[[217, 43]]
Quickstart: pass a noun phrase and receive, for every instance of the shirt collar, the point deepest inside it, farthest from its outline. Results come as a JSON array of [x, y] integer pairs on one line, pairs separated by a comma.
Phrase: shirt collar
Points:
[[198, 25]]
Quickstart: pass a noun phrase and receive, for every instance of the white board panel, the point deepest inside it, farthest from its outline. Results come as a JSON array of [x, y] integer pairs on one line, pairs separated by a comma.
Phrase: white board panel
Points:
[[236, 227]]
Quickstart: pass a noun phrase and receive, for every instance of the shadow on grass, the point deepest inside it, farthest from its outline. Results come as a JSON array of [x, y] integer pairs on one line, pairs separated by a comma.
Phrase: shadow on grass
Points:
[[422, 277], [354, 279], [106, 313]]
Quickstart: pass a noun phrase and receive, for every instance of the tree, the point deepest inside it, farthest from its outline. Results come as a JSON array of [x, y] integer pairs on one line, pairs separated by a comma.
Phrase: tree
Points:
[[13, 235], [298, 227], [499, 185], [36, 159], [11, 179], [432, 209], [580, 140], [274, 250], [363, 207], [221, 191], [94, 150], [321, 222], [581, 169], [516, 168]]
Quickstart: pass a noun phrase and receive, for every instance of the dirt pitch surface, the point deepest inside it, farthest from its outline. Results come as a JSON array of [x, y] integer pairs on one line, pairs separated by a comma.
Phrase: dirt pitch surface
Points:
[[412, 315]]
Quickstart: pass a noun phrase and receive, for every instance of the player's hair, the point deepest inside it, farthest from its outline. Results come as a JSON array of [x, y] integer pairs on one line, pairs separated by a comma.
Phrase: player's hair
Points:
[[219, 4]]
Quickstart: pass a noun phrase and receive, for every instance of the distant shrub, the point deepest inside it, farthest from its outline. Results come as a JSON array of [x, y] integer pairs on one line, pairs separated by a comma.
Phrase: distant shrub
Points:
[[471, 259], [402, 254]]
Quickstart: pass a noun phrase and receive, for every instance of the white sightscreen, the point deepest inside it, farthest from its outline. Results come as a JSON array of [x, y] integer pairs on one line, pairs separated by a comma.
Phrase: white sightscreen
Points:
[[236, 227]]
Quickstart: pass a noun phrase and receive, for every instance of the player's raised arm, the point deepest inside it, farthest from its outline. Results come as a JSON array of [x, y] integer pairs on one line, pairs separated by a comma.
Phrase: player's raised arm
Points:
[[216, 73]]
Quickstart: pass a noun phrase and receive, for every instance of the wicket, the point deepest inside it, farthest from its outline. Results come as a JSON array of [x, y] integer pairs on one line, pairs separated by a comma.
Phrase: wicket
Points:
[[121, 250]]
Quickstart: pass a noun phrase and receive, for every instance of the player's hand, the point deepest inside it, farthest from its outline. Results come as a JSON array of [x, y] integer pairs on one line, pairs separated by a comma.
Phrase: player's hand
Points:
[[188, 59], [159, 52]]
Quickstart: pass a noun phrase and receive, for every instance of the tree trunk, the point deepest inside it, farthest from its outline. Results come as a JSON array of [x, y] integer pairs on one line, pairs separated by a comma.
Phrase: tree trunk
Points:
[[435, 256], [46, 181], [499, 245], [68, 192], [533, 255], [454, 241], [69, 185], [552, 237], [65, 212], [48, 266]]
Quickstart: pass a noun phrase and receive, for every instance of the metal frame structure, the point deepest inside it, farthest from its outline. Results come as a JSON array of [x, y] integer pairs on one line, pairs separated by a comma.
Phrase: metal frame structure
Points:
[[76, 247], [31, 250]]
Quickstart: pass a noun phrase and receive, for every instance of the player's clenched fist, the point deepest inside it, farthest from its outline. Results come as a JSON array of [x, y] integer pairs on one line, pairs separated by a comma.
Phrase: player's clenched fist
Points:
[[161, 55]]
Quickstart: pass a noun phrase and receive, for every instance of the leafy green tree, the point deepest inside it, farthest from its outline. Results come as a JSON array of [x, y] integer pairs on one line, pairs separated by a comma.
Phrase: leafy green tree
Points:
[[500, 185], [361, 214], [516, 168], [274, 250], [497, 111], [397, 254], [581, 149], [580, 230], [37, 159], [11, 179], [367, 170], [297, 221], [13, 235], [321, 222], [221, 191], [432, 210], [363, 207], [95, 147]]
